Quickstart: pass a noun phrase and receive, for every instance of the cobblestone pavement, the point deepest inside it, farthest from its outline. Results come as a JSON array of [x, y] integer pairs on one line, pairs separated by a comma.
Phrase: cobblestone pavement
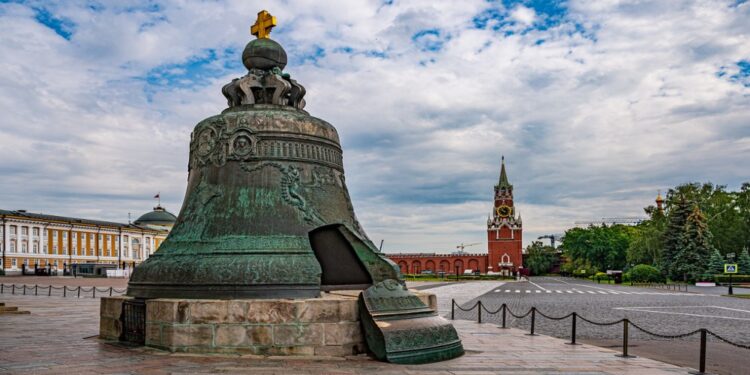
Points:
[[59, 337], [661, 311]]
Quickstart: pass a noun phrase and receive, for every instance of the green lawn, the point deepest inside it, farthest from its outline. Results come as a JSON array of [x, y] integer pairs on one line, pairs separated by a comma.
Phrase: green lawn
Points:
[[746, 296]]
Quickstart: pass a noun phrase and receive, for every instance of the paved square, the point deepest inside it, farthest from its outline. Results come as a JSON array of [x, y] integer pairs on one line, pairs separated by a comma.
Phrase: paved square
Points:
[[59, 337]]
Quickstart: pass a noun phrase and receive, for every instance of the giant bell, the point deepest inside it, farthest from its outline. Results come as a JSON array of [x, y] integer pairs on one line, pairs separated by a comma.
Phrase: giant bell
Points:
[[263, 175]]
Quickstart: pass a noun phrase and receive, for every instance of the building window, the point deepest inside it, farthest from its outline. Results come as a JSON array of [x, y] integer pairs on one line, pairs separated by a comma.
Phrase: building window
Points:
[[36, 231], [75, 236], [12, 229], [109, 238], [54, 249], [36, 247], [12, 246], [24, 248], [24, 231], [54, 234], [14, 262], [65, 236]]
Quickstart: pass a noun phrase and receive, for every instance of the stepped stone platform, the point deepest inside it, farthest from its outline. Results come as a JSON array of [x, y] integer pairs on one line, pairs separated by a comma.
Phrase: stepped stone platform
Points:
[[326, 326], [11, 310]]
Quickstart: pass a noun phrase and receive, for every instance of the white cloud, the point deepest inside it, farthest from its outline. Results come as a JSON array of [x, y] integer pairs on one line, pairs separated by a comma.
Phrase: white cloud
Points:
[[594, 113]]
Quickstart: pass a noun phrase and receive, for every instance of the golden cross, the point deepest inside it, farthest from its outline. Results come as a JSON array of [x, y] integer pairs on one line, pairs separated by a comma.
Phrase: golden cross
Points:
[[262, 27]]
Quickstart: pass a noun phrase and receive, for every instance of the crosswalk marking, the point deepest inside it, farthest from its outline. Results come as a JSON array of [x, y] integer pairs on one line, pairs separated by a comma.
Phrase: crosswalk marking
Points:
[[607, 292]]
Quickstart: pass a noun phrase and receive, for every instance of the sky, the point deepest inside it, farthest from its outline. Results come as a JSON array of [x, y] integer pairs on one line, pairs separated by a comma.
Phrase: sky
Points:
[[596, 105]]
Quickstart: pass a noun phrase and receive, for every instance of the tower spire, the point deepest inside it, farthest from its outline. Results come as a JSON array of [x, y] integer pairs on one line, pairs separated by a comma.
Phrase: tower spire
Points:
[[503, 176]]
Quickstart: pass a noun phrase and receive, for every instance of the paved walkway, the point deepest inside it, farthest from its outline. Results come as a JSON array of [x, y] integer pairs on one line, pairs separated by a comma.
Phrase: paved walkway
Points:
[[59, 337]]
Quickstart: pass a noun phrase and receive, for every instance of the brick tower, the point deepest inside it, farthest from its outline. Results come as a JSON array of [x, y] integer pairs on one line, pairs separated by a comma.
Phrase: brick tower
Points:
[[504, 232]]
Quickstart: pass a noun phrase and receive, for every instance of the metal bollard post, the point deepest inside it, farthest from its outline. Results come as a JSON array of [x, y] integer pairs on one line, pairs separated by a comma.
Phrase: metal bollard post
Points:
[[573, 331], [453, 309], [504, 308], [49, 290], [13, 291], [65, 290], [479, 312], [36, 289], [93, 288], [79, 292], [533, 321], [110, 291], [24, 289], [2, 286], [702, 360], [625, 340]]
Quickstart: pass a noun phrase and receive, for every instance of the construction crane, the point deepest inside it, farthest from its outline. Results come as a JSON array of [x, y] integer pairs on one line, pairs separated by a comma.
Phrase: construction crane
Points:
[[612, 221], [462, 246], [552, 238]]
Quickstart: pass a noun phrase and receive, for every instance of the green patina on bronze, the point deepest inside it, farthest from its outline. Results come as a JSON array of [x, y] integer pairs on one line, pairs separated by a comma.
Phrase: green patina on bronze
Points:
[[260, 178], [400, 328]]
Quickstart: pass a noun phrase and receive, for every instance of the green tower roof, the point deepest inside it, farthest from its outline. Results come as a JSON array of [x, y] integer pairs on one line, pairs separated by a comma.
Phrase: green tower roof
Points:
[[503, 183]]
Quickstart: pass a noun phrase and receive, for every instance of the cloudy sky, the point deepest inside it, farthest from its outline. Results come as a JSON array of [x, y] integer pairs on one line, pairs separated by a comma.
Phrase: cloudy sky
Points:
[[595, 105]]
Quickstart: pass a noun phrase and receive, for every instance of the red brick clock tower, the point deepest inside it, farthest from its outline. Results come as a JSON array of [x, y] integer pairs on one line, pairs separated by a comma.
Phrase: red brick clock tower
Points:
[[504, 230]]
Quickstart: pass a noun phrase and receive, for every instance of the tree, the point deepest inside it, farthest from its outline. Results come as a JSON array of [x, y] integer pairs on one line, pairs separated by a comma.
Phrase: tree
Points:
[[673, 235], [646, 244], [715, 263], [539, 258], [743, 262], [692, 257]]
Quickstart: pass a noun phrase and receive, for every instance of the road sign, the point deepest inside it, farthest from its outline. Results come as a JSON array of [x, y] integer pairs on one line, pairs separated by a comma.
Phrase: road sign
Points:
[[730, 268]]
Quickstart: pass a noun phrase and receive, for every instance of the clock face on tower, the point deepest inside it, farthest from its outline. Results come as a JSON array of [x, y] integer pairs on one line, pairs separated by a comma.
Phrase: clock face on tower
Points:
[[503, 211]]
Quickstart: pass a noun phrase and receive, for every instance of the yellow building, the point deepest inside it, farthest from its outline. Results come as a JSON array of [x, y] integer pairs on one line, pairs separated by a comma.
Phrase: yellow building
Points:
[[41, 240]]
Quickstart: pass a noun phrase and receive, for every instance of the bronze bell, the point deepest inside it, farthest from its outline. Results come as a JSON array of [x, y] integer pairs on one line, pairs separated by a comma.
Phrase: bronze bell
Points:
[[262, 176], [267, 215]]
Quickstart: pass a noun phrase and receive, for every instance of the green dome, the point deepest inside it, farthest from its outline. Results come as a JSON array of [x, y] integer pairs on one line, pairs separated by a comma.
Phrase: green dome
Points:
[[159, 216], [264, 54]]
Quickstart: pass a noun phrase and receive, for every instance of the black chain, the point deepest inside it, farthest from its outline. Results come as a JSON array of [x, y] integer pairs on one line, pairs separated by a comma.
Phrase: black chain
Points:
[[599, 323], [492, 312], [83, 289], [662, 335], [519, 316], [469, 309], [554, 318], [727, 341]]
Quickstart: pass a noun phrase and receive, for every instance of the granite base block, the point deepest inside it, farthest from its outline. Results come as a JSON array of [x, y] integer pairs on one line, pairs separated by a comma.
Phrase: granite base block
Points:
[[325, 326]]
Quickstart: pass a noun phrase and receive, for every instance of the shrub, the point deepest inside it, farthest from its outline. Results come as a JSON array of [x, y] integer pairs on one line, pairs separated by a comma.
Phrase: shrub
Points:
[[600, 276], [643, 273], [735, 278]]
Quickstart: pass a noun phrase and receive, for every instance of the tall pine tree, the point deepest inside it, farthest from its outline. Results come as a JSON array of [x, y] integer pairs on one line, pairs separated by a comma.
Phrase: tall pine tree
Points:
[[673, 237], [692, 258], [715, 263]]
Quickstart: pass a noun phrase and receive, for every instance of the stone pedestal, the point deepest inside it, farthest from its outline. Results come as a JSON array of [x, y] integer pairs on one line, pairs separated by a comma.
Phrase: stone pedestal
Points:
[[326, 326]]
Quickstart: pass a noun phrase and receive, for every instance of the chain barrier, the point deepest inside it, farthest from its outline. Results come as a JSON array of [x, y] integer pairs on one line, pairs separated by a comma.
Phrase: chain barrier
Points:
[[93, 290], [554, 318], [727, 341], [625, 329], [600, 323], [662, 336]]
